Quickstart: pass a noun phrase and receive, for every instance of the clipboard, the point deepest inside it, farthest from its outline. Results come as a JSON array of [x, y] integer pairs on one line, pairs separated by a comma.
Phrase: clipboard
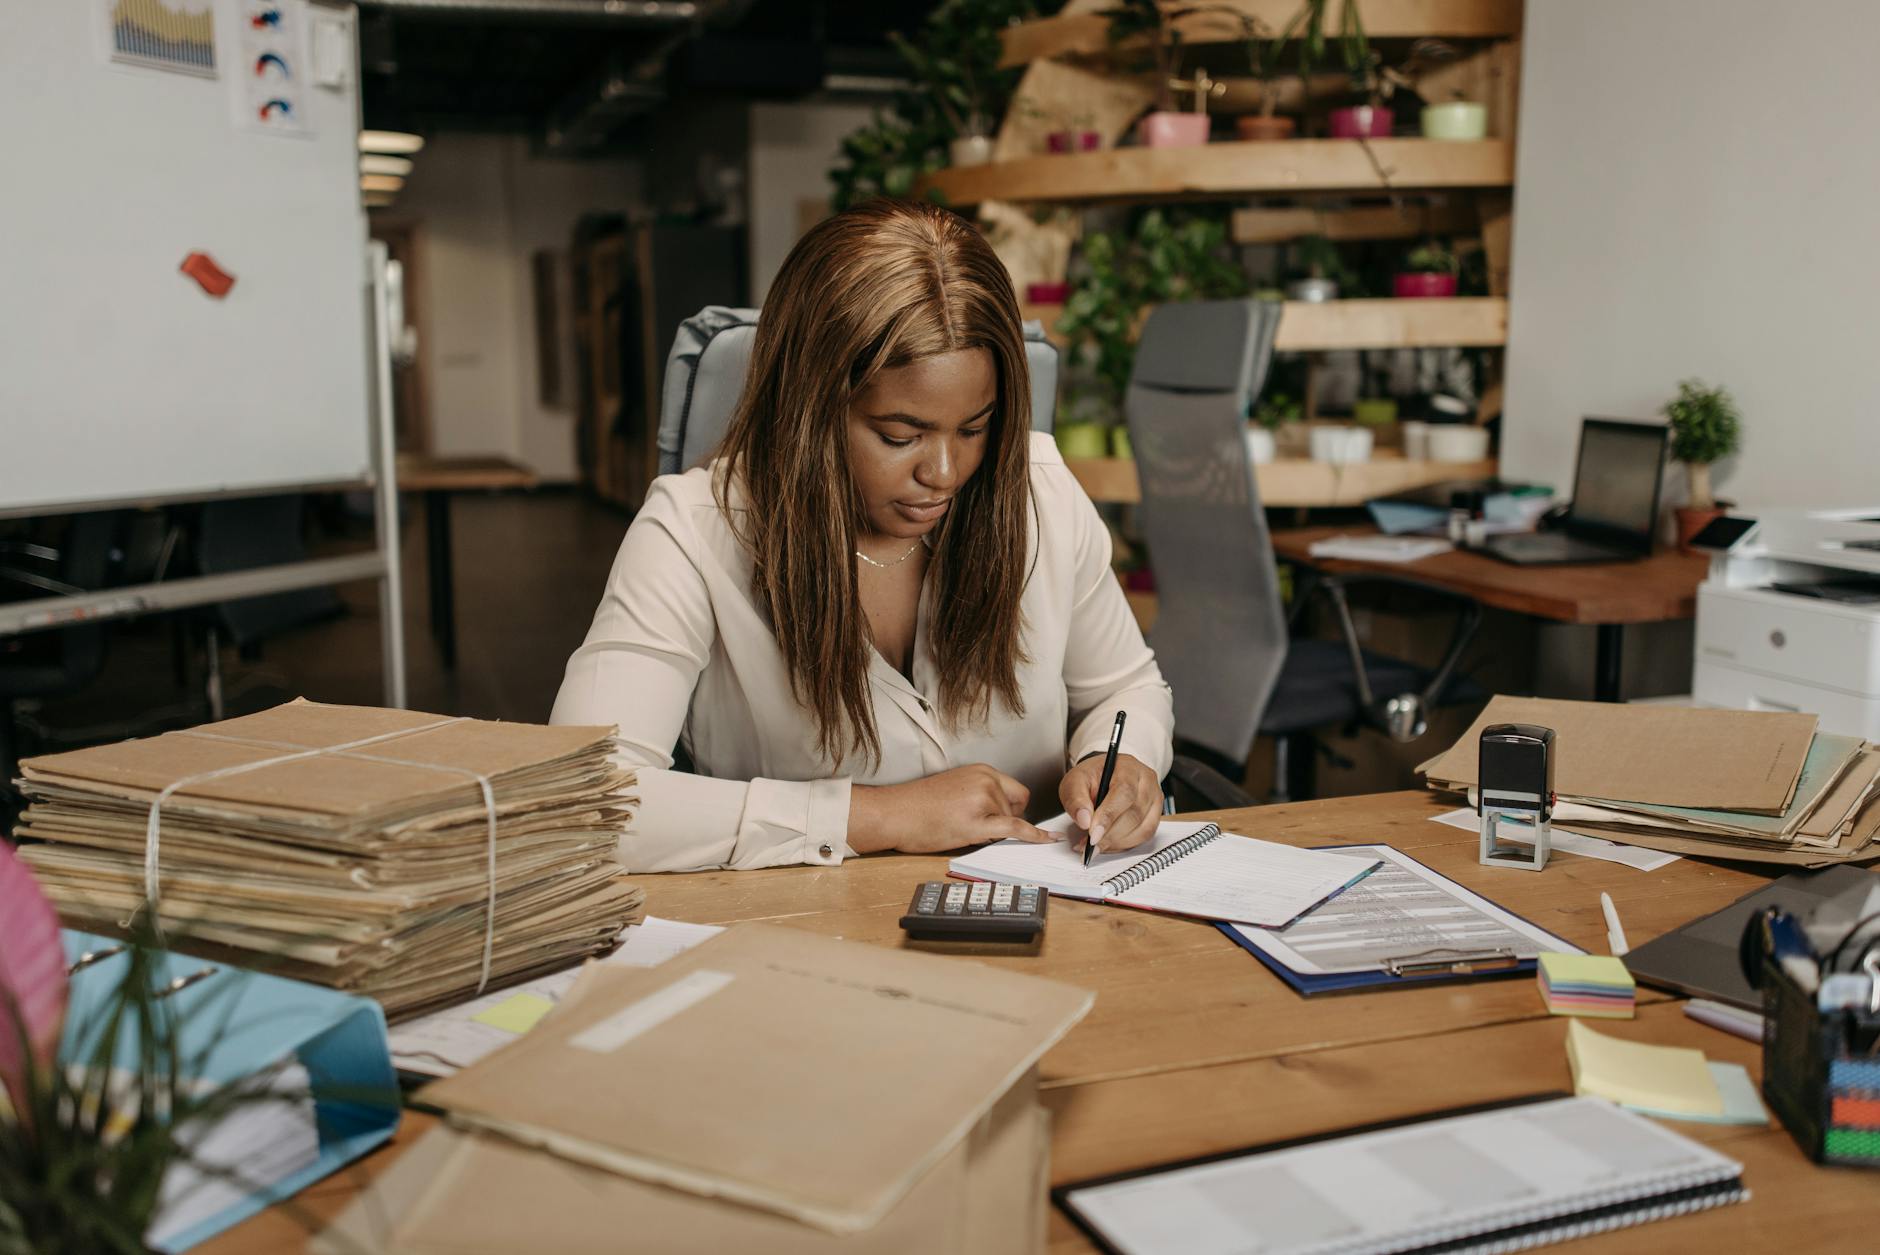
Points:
[[249, 1022], [1414, 967]]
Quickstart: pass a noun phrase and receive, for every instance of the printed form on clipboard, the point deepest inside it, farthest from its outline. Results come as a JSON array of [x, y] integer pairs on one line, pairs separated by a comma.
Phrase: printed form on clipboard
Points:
[[1188, 869], [1402, 921]]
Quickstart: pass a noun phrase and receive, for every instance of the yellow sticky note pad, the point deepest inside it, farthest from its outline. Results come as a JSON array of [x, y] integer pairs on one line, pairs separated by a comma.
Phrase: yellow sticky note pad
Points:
[[1660, 1080], [516, 1014]]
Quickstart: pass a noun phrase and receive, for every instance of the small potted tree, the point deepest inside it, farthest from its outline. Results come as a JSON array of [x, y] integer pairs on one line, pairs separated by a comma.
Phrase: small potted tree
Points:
[[1429, 270], [1265, 54], [1165, 126], [1706, 427], [1319, 272]]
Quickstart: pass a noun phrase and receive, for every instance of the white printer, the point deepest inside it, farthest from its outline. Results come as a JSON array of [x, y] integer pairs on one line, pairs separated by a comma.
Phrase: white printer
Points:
[[1789, 617]]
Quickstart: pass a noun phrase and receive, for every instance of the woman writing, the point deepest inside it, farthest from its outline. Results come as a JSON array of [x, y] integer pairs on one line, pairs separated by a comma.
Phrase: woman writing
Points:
[[883, 616]]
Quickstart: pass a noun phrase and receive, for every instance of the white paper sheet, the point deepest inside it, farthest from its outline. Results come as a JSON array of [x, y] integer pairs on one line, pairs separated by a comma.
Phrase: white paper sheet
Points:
[[441, 1043], [1572, 842], [1400, 910], [1231, 877]]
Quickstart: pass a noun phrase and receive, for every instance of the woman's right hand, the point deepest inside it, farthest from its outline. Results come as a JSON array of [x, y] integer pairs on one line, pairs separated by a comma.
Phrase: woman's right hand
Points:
[[965, 806]]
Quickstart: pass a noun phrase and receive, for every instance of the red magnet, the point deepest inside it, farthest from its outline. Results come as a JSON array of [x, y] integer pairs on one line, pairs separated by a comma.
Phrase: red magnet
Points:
[[202, 268]]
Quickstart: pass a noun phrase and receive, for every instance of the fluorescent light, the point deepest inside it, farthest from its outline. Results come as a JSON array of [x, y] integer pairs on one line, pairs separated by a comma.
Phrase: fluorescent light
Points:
[[372, 163], [380, 183], [397, 142]]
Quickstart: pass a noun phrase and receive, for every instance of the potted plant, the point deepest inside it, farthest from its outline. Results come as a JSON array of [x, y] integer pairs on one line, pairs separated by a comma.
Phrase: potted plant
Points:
[[1275, 410], [1265, 54], [1372, 119], [87, 1145], [1429, 270], [956, 88], [1318, 270], [1183, 256], [1457, 119], [1706, 427], [1165, 126], [1075, 134]]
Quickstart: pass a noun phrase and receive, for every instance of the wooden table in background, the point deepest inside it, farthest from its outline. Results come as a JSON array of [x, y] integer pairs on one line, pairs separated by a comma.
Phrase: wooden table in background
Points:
[[437, 478], [1609, 595], [1194, 1048]]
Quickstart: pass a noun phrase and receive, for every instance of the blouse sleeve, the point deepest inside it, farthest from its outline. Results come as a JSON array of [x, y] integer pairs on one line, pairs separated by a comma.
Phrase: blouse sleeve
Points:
[[1107, 665], [651, 637]]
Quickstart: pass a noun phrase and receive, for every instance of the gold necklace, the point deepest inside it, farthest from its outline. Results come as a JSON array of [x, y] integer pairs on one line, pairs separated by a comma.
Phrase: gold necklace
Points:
[[885, 565]]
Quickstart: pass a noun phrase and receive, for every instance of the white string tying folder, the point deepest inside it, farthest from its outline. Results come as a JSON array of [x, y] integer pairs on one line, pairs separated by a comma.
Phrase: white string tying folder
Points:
[[347, 749]]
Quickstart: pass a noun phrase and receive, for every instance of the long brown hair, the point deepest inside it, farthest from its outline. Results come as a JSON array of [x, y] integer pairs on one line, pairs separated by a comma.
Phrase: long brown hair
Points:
[[879, 286]]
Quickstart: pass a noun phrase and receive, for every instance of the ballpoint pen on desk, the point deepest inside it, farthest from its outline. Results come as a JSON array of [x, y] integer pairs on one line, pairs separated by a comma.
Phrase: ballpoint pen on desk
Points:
[[1103, 785], [1615, 931]]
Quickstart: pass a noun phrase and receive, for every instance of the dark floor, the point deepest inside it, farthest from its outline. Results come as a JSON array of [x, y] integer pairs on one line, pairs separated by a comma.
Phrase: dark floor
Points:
[[529, 570]]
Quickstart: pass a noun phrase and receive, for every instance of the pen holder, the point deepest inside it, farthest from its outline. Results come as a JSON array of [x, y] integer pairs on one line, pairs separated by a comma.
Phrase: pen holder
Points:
[[1821, 1074]]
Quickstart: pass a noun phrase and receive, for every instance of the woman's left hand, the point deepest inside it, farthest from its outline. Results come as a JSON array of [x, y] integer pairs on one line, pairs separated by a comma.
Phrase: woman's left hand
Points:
[[1130, 811]]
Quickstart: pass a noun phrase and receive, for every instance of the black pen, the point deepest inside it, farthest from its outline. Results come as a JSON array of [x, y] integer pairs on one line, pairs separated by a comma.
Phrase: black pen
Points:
[[1103, 785]]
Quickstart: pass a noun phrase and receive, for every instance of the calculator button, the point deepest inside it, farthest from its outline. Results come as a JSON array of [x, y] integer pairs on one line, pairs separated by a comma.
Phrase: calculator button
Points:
[[956, 893]]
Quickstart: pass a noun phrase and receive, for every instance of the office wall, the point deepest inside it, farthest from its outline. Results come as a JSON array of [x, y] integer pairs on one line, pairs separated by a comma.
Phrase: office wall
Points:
[[484, 204], [1697, 189], [792, 148]]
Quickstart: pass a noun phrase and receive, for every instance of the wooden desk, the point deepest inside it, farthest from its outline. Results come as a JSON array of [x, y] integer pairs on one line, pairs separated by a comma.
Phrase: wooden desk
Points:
[[437, 478], [1193, 1047], [1610, 595]]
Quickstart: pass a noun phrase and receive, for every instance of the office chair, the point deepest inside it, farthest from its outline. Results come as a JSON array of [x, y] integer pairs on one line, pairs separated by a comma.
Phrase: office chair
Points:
[[56, 662], [704, 376], [705, 373], [1222, 635]]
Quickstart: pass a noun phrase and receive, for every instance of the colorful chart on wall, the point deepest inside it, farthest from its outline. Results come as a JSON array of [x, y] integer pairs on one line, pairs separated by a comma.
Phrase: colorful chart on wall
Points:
[[270, 82], [174, 35]]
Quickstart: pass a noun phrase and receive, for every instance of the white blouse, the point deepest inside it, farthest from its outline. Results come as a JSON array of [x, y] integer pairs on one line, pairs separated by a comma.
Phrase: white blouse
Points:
[[678, 648]]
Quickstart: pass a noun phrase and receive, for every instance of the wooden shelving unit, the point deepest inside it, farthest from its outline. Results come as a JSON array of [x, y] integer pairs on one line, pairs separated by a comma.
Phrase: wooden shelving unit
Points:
[[1306, 326], [1282, 224], [1216, 171], [1086, 34], [1294, 482]]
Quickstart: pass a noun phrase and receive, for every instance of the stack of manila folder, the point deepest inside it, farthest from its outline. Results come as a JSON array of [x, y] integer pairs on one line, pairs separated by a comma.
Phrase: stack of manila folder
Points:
[[768, 1090], [368, 869], [1740, 784]]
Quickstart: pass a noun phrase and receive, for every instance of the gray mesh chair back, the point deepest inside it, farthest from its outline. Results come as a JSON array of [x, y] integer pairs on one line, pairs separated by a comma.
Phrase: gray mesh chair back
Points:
[[705, 375], [1220, 633]]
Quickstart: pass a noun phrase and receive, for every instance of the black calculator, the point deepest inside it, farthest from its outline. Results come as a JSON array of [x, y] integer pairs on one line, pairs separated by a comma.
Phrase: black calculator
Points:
[[958, 910]]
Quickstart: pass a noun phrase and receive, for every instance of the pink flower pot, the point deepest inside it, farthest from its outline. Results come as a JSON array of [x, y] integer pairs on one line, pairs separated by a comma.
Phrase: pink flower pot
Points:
[[1424, 285], [1073, 141], [1172, 130], [1361, 122], [1047, 293]]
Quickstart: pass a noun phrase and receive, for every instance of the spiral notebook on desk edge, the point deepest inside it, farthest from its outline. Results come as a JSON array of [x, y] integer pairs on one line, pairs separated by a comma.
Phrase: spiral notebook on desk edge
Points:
[[1500, 1178], [1188, 869]]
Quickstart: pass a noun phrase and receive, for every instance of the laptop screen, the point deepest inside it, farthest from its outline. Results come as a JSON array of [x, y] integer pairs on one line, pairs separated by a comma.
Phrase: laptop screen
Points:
[[1615, 488]]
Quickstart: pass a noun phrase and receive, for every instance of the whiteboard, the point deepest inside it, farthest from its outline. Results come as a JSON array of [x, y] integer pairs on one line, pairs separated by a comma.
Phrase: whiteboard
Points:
[[120, 379]]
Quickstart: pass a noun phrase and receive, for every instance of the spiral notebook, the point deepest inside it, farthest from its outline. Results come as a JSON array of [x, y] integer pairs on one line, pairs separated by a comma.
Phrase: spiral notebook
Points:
[[1507, 1178], [1188, 869]]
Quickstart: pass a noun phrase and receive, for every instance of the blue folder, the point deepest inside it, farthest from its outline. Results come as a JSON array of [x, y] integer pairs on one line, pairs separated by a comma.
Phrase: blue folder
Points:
[[236, 1023]]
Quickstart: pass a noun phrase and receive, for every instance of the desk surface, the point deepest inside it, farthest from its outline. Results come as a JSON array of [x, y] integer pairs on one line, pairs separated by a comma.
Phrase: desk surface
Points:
[[424, 473], [1651, 590], [1193, 1047]]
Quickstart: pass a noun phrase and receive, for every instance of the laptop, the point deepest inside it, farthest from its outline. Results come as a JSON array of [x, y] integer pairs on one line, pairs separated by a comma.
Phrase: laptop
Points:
[[1700, 959], [1615, 499]]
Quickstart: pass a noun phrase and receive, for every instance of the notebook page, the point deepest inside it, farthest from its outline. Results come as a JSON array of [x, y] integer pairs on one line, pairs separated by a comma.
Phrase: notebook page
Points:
[[1407, 1186], [1059, 866], [1247, 881]]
